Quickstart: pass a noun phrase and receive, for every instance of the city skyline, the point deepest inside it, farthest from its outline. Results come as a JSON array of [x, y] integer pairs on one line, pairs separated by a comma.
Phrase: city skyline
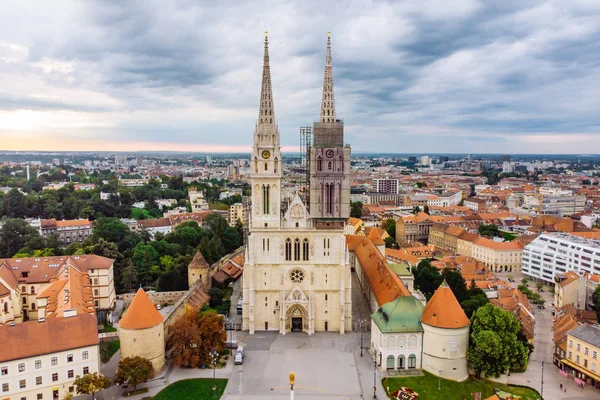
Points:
[[409, 78]]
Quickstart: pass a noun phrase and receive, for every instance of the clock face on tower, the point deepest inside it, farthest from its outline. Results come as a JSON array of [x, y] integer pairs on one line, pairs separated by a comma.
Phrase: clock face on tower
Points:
[[266, 154], [329, 153]]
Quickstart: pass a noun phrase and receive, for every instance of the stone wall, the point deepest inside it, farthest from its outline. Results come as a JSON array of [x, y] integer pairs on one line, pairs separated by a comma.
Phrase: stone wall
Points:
[[156, 297]]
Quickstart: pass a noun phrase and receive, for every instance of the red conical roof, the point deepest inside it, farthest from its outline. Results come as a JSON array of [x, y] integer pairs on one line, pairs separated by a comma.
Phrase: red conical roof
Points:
[[141, 313], [443, 310]]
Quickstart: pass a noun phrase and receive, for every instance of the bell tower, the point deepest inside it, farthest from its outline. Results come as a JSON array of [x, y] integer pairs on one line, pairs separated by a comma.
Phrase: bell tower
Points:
[[266, 163], [329, 161]]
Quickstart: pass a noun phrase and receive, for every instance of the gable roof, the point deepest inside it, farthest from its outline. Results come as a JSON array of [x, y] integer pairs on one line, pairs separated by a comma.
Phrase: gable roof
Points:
[[141, 313], [443, 310], [375, 237], [34, 338], [386, 285]]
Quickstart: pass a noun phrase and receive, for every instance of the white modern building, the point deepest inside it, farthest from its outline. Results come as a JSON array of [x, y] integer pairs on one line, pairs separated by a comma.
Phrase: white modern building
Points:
[[554, 253]]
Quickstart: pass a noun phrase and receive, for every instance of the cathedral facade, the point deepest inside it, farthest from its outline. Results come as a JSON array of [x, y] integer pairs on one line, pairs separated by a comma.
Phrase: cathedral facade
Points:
[[297, 273]]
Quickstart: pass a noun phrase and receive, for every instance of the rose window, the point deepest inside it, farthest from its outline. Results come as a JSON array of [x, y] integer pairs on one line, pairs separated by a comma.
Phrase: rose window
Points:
[[297, 275]]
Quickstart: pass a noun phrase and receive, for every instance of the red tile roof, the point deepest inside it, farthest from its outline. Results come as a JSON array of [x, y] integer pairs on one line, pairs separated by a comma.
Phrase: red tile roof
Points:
[[443, 310], [34, 338], [141, 313]]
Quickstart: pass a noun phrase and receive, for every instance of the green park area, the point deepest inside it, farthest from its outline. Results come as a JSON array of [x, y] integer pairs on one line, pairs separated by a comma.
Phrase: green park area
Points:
[[192, 389], [427, 388]]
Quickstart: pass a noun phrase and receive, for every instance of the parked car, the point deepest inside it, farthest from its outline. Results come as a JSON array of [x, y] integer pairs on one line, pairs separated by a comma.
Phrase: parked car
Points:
[[231, 344], [239, 358]]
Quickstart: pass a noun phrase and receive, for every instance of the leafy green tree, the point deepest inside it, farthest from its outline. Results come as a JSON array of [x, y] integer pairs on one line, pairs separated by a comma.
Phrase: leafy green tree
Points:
[[216, 296], [391, 243], [473, 303], [91, 384], [113, 230], [416, 210], [427, 277], [14, 234], [456, 282], [133, 371], [490, 230], [15, 204], [494, 348], [216, 224], [390, 227], [356, 209], [231, 239], [426, 209]]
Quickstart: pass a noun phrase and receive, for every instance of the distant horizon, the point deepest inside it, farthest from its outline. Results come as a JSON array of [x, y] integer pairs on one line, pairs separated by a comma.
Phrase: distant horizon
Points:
[[288, 152]]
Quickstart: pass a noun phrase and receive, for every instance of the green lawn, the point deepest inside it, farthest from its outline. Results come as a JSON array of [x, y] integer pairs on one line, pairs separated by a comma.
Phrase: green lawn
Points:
[[192, 389], [508, 236], [108, 349], [108, 328], [427, 388]]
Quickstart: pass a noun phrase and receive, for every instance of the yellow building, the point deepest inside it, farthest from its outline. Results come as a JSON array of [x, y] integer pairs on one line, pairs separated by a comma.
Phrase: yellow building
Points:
[[581, 356], [237, 212], [464, 243], [498, 256], [566, 290]]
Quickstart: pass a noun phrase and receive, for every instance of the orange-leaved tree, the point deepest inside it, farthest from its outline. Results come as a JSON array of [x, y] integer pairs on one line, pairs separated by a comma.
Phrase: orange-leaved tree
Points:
[[194, 336]]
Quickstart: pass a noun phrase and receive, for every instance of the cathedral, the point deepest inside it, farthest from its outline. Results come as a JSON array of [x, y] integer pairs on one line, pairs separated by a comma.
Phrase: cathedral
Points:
[[297, 273]]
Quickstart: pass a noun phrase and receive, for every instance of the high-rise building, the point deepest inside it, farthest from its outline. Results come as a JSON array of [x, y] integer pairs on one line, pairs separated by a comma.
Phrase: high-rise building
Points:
[[386, 185], [297, 273]]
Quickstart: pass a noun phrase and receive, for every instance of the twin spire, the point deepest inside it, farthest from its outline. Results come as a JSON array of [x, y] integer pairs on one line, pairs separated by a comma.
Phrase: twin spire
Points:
[[266, 112], [328, 102]]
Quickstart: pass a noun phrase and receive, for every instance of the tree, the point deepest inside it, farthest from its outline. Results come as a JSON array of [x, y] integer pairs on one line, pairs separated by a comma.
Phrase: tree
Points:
[[490, 230], [194, 336], [15, 204], [456, 282], [356, 209], [524, 281], [231, 239], [416, 210], [596, 301], [390, 227], [426, 209], [539, 286], [391, 243], [473, 303], [91, 383], [494, 348], [134, 370], [427, 277], [216, 296], [14, 234]]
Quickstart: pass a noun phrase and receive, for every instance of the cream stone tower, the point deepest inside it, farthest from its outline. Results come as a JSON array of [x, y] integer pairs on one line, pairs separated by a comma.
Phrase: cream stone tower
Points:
[[296, 274], [142, 331]]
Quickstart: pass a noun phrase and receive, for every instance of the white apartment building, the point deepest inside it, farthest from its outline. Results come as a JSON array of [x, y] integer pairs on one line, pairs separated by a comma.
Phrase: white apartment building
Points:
[[446, 199], [197, 201], [554, 253], [386, 185], [557, 205], [40, 360], [508, 167]]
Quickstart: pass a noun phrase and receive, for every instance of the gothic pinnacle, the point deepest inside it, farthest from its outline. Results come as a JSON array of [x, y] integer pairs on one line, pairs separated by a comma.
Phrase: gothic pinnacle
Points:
[[266, 113], [328, 101]]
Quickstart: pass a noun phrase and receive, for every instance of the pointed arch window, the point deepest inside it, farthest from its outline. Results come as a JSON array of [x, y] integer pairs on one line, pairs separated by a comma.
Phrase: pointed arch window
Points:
[[255, 165], [265, 165], [265, 199], [288, 249], [305, 250], [296, 249], [319, 164], [275, 165]]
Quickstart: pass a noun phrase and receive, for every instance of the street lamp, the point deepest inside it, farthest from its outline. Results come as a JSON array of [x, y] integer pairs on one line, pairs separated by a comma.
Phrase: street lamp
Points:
[[439, 379], [374, 373], [542, 388], [361, 336], [292, 379], [214, 355]]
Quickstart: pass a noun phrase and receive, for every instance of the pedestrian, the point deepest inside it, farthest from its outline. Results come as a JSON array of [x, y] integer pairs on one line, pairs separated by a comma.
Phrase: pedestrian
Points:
[[565, 389], [561, 386]]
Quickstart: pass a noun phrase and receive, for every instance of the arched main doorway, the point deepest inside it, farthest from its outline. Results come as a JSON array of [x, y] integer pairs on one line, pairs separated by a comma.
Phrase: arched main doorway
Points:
[[296, 318]]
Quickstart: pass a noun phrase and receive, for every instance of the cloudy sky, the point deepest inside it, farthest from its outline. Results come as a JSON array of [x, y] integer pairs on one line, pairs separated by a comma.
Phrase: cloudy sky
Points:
[[453, 76]]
